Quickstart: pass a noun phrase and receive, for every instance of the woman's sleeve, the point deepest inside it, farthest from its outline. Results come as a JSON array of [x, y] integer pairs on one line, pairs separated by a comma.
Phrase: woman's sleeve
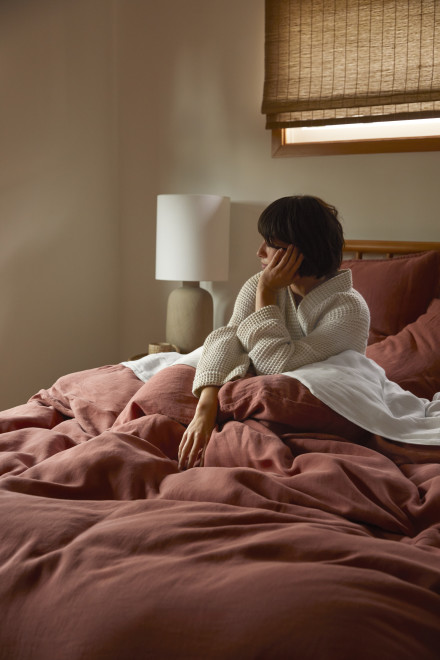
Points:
[[223, 356], [342, 325]]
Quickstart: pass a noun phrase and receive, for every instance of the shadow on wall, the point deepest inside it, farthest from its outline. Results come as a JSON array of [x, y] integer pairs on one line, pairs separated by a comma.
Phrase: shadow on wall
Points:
[[243, 261]]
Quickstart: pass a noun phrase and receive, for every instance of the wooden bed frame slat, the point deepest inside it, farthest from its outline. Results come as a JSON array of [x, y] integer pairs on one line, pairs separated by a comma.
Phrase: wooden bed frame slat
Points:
[[388, 248]]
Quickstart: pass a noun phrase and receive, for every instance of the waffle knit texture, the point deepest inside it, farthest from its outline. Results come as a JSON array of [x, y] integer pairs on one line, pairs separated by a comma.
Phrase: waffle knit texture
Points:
[[330, 319]]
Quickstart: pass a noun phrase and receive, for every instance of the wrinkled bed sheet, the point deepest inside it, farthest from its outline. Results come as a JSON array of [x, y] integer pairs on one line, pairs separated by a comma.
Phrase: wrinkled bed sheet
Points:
[[303, 536]]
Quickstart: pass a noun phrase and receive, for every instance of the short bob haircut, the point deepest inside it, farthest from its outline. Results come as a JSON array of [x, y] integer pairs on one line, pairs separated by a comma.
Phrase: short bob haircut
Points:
[[312, 226]]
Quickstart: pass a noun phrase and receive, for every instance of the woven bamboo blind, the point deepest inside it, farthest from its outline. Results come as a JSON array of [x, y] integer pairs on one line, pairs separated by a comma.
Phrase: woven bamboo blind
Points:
[[345, 61]]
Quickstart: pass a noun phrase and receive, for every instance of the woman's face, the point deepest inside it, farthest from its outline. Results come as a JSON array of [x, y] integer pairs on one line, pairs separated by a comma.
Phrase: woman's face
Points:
[[267, 250]]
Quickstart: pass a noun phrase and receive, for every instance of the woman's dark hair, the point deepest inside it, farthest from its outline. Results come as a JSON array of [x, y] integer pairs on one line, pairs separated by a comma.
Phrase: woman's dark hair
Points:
[[311, 225]]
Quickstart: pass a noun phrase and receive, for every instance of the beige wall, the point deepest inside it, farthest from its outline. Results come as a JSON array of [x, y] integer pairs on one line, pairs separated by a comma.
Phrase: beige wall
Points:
[[59, 232], [113, 102]]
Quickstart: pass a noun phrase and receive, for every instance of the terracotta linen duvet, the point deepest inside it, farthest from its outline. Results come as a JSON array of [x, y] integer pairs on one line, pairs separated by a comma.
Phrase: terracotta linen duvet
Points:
[[302, 537]]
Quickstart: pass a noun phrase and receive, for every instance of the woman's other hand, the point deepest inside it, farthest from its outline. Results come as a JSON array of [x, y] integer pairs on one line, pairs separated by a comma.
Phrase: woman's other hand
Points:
[[279, 273], [196, 437]]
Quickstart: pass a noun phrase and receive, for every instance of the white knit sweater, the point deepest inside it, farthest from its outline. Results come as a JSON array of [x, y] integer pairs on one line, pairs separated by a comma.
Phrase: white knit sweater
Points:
[[330, 319]]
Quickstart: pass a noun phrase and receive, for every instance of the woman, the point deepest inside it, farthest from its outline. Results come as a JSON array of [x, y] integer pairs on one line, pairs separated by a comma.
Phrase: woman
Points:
[[300, 309]]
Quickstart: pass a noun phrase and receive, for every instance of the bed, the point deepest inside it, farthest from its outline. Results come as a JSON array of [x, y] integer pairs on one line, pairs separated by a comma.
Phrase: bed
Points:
[[306, 535]]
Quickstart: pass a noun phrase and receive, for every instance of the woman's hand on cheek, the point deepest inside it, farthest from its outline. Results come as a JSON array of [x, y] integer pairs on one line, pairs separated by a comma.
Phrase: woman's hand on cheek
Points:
[[282, 269]]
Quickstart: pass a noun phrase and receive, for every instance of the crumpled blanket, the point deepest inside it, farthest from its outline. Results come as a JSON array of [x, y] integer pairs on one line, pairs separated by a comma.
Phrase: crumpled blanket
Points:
[[303, 536]]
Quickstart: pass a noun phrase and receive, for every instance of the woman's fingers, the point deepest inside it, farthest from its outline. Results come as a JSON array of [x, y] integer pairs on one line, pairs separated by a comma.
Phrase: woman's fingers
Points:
[[202, 456], [277, 258], [193, 454], [284, 266], [278, 261], [287, 256], [184, 448], [189, 449]]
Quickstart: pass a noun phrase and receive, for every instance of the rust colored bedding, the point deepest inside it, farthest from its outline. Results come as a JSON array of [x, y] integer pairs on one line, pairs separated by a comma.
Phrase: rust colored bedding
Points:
[[302, 537]]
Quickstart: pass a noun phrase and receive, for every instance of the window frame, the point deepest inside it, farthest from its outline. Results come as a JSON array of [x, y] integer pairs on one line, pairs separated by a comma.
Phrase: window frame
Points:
[[282, 149]]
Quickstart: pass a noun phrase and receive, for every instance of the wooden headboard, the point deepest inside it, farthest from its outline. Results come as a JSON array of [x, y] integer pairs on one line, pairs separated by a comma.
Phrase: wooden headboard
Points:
[[388, 248]]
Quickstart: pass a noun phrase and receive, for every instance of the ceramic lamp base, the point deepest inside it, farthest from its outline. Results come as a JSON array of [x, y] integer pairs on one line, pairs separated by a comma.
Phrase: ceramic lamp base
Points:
[[190, 315]]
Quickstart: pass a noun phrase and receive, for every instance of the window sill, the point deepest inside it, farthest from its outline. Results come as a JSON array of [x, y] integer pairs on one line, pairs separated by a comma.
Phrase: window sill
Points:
[[281, 149]]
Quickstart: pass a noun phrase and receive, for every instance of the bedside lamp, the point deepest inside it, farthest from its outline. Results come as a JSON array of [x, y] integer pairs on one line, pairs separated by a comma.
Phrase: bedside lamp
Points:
[[192, 245]]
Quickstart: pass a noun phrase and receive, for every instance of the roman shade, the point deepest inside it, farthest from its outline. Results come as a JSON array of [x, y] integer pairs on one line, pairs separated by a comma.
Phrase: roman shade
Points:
[[346, 61]]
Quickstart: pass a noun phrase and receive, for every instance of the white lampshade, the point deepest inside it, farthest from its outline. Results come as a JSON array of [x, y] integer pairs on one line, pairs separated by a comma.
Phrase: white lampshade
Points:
[[192, 240]]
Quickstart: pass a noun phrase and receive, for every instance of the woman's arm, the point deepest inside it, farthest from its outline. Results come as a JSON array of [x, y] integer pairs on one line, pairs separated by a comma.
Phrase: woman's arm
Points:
[[197, 435], [331, 325], [224, 357]]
